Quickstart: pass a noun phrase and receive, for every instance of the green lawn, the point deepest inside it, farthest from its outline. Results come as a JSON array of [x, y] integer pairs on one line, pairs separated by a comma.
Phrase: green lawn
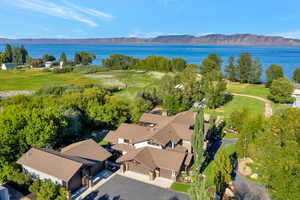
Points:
[[131, 81], [180, 187], [35, 79], [250, 89], [238, 102]]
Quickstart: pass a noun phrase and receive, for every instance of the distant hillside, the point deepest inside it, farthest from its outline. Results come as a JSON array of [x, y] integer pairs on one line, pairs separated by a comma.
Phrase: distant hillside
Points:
[[212, 39]]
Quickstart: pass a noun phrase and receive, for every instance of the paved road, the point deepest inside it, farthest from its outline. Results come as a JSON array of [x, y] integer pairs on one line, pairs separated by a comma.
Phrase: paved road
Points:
[[248, 190], [268, 104], [122, 188]]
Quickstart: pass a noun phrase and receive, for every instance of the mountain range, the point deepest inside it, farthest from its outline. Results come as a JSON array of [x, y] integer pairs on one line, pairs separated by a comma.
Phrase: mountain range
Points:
[[211, 39]]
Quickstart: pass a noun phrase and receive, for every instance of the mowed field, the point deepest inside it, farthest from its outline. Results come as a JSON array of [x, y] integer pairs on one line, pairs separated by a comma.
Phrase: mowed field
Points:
[[35, 79]]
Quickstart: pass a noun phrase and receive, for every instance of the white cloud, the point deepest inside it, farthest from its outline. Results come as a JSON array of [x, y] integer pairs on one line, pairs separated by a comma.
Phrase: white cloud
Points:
[[289, 34], [64, 10]]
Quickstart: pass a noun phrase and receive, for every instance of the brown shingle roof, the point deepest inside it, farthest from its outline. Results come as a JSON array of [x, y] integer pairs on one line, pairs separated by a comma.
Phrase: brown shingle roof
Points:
[[51, 163], [122, 147], [87, 149], [155, 158], [111, 137]]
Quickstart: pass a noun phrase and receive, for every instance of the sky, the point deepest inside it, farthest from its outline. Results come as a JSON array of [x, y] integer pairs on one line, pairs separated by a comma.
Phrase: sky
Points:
[[146, 18]]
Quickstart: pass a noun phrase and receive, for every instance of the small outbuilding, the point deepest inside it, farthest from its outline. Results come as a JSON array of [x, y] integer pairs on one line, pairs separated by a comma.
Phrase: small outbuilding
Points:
[[4, 195], [9, 66]]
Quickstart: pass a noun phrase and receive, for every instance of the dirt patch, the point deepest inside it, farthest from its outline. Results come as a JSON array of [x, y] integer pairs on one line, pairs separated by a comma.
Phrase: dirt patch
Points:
[[158, 75], [6, 94]]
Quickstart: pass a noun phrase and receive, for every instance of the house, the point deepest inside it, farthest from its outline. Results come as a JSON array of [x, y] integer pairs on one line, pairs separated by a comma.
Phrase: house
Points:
[[296, 94], [49, 64], [72, 168], [9, 66], [4, 195], [159, 146]]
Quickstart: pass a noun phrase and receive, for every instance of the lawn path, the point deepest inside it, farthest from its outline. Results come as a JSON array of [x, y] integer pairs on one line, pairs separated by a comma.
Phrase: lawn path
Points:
[[268, 103]]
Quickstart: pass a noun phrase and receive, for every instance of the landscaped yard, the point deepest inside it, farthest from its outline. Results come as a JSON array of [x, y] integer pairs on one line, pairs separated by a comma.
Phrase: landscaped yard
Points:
[[180, 187], [35, 79]]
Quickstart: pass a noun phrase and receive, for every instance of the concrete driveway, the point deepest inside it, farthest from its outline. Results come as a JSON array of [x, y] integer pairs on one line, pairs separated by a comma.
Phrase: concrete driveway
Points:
[[123, 188]]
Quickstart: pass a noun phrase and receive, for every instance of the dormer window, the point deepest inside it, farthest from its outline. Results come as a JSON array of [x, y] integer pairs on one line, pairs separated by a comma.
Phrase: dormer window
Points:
[[126, 141]]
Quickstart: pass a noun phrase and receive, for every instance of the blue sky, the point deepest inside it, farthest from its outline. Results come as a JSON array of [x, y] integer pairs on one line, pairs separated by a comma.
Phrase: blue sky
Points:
[[146, 18]]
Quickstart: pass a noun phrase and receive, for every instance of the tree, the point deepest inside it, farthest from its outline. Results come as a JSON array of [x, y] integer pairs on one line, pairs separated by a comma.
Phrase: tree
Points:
[[119, 61], [281, 91], [248, 70], [198, 191], [155, 63], [47, 190], [47, 57], [63, 58], [279, 156], [272, 73], [77, 59], [8, 53], [223, 170], [214, 88], [178, 64], [198, 142], [296, 75], [212, 63], [23, 53], [230, 69]]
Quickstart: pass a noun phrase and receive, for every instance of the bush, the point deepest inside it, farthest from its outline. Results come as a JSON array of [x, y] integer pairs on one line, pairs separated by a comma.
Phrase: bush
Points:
[[281, 91], [89, 69], [62, 70]]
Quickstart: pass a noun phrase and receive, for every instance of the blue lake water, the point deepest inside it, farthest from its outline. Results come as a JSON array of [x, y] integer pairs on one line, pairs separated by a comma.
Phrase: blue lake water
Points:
[[288, 57]]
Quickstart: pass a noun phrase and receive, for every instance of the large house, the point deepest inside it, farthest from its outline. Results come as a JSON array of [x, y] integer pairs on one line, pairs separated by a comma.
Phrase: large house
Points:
[[73, 167], [160, 146], [296, 94]]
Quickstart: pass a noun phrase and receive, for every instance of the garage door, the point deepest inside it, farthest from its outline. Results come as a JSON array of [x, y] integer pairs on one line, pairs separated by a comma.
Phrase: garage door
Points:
[[165, 173], [138, 168]]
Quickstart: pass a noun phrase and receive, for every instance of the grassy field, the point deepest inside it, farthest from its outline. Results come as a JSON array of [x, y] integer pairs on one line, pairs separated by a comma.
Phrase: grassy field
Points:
[[238, 102], [180, 187], [250, 89], [35, 79], [131, 81]]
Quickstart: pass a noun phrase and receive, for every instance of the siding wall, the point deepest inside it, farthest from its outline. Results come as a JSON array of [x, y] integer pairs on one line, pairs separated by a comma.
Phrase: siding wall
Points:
[[41, 175], [145, 144]]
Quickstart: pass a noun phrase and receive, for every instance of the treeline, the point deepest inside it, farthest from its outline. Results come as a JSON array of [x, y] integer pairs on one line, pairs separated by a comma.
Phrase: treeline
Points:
[[274, 145], [150, 63]]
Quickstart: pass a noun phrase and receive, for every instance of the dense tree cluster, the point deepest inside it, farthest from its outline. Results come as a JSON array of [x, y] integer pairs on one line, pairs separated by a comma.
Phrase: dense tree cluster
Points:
[[84, 58], [47, 190], [274, 145], [150, 63], [244, 70], [14, 54]]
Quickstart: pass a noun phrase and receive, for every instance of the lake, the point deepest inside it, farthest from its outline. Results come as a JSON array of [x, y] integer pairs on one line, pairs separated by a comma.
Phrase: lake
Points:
[[288, 57]]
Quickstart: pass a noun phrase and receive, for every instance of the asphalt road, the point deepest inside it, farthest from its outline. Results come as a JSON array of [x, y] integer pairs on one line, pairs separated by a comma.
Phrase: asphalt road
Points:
[[248, 190], [122, 188]]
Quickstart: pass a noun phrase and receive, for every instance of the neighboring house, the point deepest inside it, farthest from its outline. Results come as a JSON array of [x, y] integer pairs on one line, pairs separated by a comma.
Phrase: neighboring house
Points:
[[9, 66], [73, 167], [49, 64], [296, 94], [164, 138], [4, 195]]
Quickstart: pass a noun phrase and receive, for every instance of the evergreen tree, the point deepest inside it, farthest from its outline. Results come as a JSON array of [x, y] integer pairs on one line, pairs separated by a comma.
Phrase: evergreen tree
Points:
[[272, 73], [223, 170], [63, 58], [77, 59], [230, 69], [197, 142], [23, 53], [8, 53]]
